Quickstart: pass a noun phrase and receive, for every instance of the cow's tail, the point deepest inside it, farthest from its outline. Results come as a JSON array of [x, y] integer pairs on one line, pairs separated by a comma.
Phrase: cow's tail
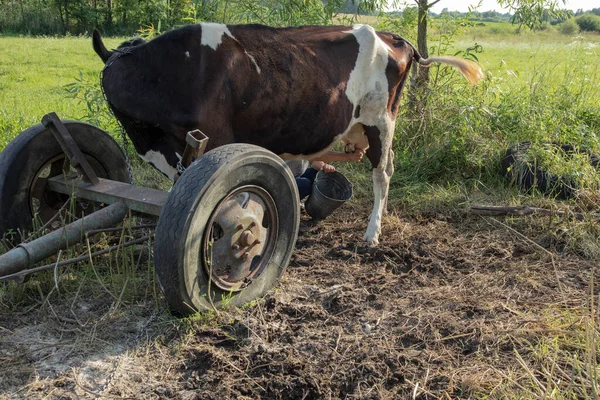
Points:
[[99, 47], [468, 68]]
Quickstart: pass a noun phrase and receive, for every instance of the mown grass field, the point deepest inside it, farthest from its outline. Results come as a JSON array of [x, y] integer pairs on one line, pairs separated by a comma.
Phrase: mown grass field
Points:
[[32, 74], [33, 71], [451, 305]]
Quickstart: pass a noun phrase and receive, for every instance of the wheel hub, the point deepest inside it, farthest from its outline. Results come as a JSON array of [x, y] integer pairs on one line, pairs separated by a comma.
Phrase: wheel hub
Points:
[[247, 238], [240, 238]]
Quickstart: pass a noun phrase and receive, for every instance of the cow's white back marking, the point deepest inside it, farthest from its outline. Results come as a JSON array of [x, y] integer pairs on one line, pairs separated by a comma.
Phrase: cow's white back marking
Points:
[[160, 162], [368, 88], [212, 34], [368, 85]]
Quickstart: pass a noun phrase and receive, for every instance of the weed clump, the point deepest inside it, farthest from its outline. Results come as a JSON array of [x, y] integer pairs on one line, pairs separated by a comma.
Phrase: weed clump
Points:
[[588, 22], [463, 132]]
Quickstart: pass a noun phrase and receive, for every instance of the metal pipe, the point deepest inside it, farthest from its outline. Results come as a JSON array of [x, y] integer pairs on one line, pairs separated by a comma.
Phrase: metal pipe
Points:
[[26, 255], [74, 260]]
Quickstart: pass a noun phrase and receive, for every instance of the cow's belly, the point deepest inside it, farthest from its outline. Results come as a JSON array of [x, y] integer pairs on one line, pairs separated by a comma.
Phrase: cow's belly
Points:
[[298, 129]]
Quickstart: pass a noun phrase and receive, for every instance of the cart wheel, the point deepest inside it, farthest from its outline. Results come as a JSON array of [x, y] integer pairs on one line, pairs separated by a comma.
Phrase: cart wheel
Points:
[[33, 157], [227, 230]]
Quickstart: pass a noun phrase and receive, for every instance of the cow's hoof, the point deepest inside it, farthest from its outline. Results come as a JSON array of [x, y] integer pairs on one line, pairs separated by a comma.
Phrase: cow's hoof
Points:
[[371, 241]]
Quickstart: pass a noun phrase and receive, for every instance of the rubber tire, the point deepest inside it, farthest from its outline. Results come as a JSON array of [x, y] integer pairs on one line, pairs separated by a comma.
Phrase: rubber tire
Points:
[[534, 177], [189, 207], [24, 156]]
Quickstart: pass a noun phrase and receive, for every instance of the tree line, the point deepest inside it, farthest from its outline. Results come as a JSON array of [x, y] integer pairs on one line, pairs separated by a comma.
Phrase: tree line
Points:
[[125, 17], [54, 17]]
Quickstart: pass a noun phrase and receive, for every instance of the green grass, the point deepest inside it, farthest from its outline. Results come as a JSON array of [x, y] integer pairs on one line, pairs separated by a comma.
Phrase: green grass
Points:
[[539, 86], [32, 74]]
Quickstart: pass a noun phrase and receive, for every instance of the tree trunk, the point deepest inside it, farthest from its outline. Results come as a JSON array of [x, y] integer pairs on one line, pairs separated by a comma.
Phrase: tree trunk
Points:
[[169, 13], [109, 16], [95, 4], [423, 77], [22, 12], [420, 75], [66, 3], [62, 17]]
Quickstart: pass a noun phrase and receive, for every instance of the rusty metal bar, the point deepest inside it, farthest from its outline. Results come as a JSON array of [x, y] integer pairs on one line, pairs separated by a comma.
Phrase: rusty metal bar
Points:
[[69, 147], [196, 142], [75, 260], [145, 200], [26, 255]]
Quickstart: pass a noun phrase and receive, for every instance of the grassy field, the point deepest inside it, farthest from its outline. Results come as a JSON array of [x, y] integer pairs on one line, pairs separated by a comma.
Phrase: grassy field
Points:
[[539, 87], [36, 75], [33, 72], [451, 305]]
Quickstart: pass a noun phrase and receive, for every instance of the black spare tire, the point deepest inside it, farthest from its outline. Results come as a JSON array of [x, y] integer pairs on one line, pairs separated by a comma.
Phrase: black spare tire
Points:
[[34, 156]]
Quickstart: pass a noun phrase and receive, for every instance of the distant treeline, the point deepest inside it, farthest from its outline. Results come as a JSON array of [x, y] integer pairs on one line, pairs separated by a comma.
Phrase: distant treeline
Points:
[[52, 17], [495, 16], [125, 17]]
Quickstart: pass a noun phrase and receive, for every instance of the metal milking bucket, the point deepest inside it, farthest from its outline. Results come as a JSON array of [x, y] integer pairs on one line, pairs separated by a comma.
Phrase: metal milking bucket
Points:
[[330, 190]]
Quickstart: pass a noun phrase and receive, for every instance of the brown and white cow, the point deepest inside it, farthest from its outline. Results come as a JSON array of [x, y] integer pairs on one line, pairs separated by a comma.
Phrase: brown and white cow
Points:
[[295, 91]]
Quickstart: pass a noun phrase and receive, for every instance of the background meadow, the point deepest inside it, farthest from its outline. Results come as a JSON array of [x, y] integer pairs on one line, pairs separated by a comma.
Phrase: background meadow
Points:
[[539, 86]]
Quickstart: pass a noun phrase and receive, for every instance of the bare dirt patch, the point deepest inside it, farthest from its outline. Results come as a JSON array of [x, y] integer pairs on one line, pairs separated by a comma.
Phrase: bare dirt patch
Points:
[[445, 307]]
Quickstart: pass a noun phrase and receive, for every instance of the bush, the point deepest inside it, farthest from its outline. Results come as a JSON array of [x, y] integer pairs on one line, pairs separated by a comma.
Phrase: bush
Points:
[[545, 26], [463, 130], [569, 27], [588, 22]]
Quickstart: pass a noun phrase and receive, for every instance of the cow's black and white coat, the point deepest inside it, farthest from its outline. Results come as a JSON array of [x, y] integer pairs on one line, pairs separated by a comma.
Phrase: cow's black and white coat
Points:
[[294, 91]]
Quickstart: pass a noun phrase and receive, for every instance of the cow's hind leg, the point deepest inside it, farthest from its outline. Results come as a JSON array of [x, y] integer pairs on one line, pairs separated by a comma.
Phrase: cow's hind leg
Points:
[[379, 153], [389, 170], [381, 183]]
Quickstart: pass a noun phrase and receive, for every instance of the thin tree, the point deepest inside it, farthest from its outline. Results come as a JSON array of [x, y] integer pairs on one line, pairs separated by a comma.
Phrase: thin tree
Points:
[[529, 13], [420, 76]]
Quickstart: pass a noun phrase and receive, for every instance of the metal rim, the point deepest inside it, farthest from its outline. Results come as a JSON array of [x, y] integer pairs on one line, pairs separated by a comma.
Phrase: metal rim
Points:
[[45, 204], [240, 238]]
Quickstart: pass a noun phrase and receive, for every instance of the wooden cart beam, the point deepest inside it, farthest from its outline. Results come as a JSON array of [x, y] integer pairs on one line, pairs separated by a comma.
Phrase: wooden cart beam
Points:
[[69, 147], [145, 200]]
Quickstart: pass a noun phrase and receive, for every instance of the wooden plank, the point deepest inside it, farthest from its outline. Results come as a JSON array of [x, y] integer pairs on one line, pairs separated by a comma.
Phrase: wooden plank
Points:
[[145, 200], [69, 147]]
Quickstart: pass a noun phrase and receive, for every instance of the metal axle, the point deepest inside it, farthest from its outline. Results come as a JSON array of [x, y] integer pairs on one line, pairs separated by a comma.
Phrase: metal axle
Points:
[[26, 255]]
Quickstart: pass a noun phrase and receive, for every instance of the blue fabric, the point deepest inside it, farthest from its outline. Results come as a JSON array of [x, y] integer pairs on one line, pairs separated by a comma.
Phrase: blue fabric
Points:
[[305, 182]]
